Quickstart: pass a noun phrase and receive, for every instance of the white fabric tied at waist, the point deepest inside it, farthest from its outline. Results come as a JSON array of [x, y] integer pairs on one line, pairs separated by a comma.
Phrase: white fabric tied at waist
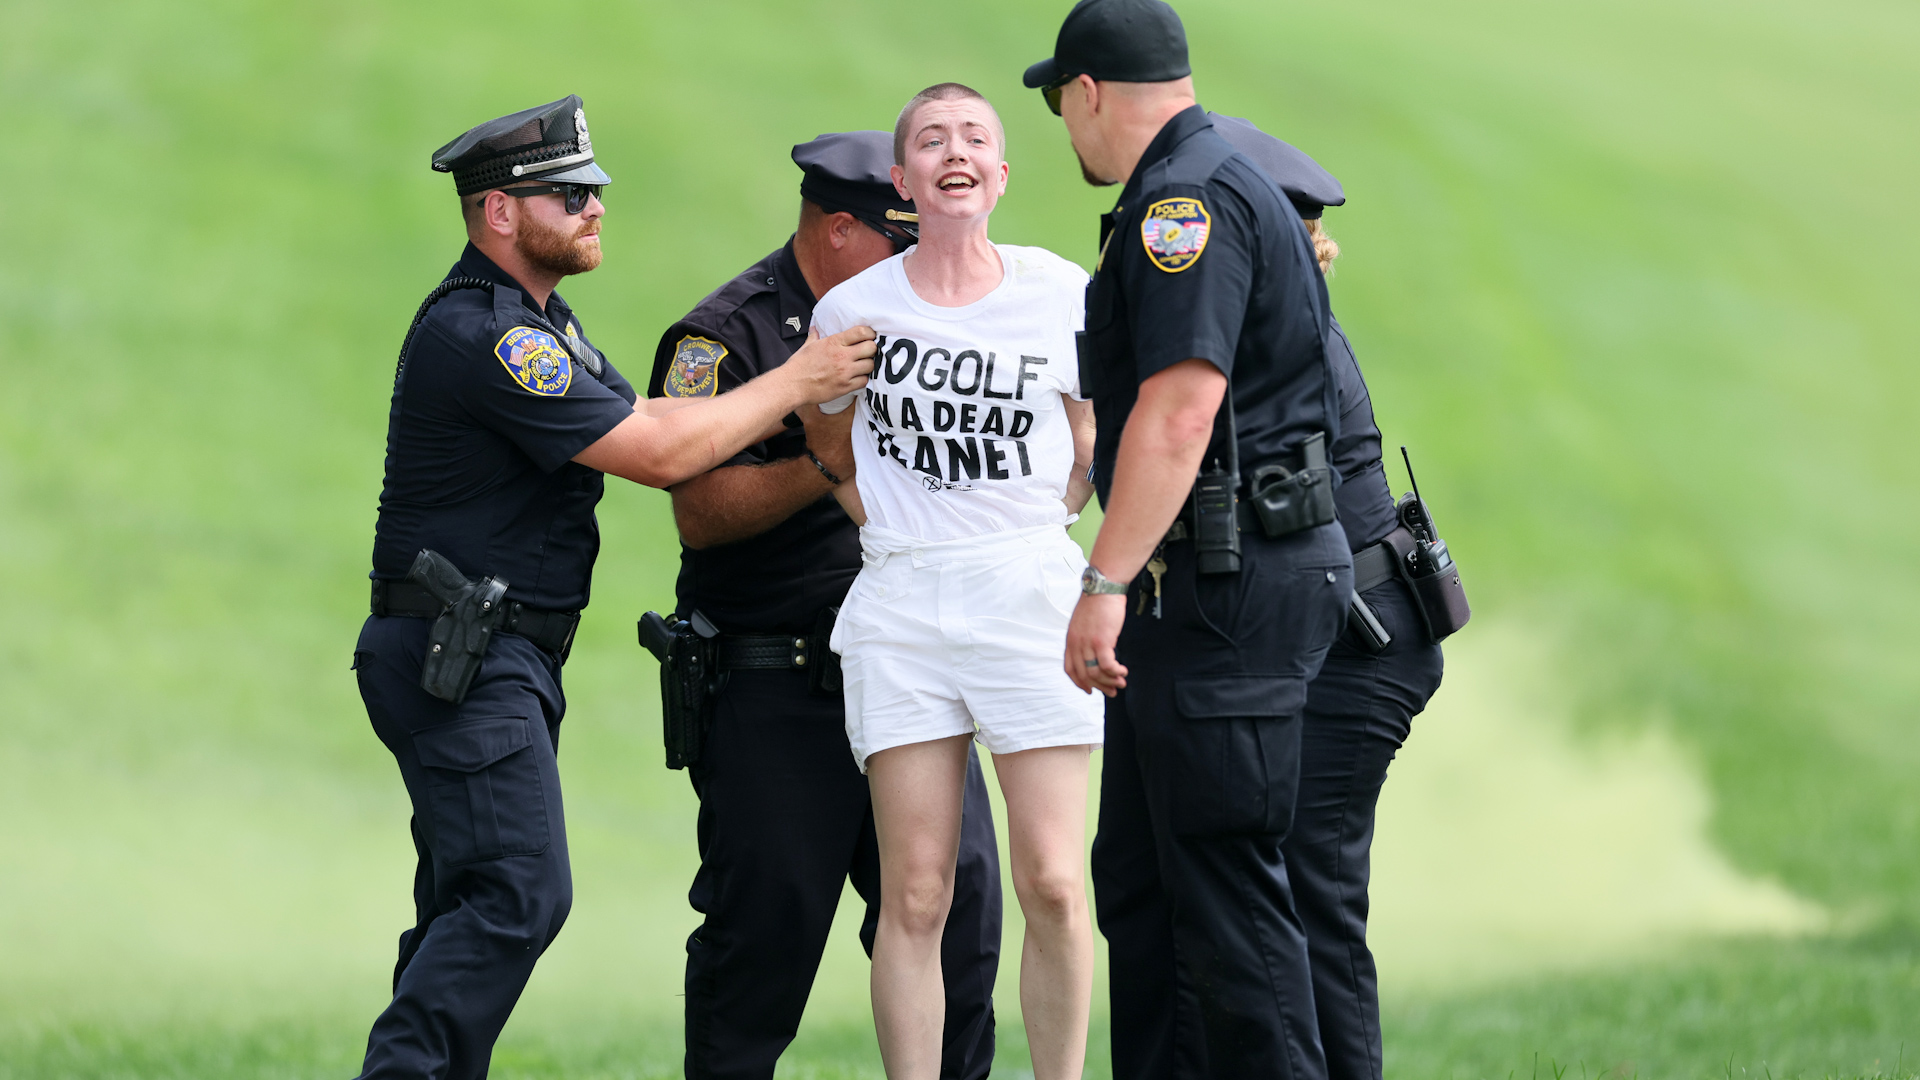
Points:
[[877, 545]]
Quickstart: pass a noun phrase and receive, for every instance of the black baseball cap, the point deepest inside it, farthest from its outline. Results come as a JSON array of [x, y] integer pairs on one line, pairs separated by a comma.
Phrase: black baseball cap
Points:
[[1309, 186], [1116, 41]]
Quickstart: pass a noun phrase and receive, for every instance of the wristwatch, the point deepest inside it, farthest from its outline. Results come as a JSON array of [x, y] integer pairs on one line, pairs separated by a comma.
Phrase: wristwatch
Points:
[[1095, 583]]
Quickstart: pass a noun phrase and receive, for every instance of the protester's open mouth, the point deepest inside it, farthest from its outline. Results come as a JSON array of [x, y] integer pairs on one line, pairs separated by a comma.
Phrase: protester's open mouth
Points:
[[957, 182]]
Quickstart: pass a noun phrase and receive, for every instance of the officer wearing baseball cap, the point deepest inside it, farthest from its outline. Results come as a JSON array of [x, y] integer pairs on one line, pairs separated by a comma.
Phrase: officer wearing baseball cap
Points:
[[767, 556], [504, 418], [1361, 705], [1219, 578]]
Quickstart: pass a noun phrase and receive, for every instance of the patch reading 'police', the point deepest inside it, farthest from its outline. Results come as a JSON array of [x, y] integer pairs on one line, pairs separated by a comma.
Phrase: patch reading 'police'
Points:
[[696, 368], [535, 360], [1174, 232]]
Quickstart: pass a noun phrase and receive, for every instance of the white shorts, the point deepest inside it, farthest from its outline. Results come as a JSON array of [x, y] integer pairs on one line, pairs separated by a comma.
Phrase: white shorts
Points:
[[964, 637]]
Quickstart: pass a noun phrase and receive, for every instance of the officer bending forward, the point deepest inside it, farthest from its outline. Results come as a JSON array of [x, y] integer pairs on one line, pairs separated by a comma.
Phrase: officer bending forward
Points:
[[1207, 609], [504, 417], [785, 815]]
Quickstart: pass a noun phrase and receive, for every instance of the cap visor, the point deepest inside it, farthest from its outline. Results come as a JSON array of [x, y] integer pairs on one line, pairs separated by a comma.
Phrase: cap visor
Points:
[[1041, 74], [589, 173]]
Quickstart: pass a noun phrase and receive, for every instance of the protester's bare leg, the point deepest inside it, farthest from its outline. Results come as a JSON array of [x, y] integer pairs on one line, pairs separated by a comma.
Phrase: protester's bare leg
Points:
[[1046, 793], [917, 792]]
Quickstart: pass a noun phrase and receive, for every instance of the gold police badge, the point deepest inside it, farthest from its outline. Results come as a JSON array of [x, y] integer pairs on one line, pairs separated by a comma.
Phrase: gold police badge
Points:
[[1174, 232], [535, 360], [696, 368]]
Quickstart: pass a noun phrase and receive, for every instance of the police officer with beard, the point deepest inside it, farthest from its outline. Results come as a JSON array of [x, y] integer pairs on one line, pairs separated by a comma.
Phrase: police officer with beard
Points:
[[767, 556], [1205, 357], [504, 418], [1362, 704]]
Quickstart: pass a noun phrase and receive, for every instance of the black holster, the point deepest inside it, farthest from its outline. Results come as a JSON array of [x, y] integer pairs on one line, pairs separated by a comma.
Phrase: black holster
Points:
[[689, 655], [459, 638], [823, 673], [1289, 501]]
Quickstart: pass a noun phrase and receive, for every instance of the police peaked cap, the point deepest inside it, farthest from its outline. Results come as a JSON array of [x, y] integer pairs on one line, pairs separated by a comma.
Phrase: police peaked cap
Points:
[[1310, 187], [548, 144], [847, 171]]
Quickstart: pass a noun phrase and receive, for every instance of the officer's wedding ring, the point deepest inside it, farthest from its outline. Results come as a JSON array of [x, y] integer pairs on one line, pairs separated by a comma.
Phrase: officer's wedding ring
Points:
[[1091, 663]]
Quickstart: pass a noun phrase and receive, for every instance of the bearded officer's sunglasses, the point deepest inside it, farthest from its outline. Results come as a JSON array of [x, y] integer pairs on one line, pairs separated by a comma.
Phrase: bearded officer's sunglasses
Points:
[[576, 194], [1054, 90]]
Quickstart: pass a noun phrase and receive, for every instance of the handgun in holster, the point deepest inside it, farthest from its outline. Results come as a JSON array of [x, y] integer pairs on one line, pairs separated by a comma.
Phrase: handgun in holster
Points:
[[823, 674], [458, 640], [688, 651], [1288, 500]]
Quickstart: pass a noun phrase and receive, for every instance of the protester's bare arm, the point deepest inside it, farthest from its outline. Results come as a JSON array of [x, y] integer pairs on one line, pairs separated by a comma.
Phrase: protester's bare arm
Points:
[[735, 502], [848, 495], [1079, 488], [1160, 451], [660, 451]]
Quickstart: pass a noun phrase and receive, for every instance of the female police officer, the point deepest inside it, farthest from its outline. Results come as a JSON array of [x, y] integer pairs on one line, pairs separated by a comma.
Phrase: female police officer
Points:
[[503, 419], [1362, 704]]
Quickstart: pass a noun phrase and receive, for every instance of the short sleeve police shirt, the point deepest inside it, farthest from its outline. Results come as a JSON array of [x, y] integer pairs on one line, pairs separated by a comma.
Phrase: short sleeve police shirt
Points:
[[1204, 258], [781, 580], [486, 417]]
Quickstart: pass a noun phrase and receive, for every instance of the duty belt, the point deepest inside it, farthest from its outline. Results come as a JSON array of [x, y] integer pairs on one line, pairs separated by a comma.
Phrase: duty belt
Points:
[[1372, 564], [551, 630], [764, 652], [1376, 563], [1243, 514]]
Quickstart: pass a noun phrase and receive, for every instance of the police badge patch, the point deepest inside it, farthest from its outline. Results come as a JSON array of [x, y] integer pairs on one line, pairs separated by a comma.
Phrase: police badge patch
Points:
[[1174, 232], [696, 368], [535, 360]]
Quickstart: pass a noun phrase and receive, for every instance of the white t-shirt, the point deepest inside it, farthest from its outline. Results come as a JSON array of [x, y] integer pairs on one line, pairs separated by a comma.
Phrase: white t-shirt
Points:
[[962, 430]]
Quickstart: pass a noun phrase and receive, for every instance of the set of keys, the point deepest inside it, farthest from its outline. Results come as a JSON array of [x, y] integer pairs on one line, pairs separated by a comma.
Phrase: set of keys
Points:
[[1155, 566]]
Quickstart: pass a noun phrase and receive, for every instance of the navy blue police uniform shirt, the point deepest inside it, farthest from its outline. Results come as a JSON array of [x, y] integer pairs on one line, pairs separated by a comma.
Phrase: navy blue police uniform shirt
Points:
[[779, 581], [486, 417], [1203, 256], [1363, 499]]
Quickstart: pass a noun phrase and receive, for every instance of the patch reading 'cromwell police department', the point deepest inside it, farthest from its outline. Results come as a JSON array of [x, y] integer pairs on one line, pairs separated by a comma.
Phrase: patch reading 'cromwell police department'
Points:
[[536, 361], [696, 368], [1174, 232]]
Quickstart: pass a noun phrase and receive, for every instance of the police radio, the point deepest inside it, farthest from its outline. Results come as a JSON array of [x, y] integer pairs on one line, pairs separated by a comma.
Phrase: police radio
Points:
[[1216, 514], [1428, 567]]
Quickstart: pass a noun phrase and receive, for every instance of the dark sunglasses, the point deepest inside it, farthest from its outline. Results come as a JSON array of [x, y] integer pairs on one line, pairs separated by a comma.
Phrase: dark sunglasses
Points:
[[576, 194], [1053, 91], [904, 235]]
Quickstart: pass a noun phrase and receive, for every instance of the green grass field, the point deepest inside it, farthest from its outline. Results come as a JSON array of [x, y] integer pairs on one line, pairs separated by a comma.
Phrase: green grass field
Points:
[[1634, 280]]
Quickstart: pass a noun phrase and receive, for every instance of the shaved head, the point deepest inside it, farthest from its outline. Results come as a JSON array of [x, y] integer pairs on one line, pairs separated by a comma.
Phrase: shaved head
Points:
[[946, 91]]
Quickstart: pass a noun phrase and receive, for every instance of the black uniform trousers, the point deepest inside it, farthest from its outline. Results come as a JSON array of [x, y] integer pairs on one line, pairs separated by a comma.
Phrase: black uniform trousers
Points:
[[1197, 792], [785, 820], [492, 885], [1359, 711]]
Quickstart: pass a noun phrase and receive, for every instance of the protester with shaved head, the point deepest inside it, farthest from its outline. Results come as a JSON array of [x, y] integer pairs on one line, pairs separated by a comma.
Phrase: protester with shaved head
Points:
[[971, 450]]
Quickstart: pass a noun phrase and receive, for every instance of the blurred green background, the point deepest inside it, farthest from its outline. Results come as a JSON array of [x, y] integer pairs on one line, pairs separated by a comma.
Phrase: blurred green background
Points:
[[1635, 279]]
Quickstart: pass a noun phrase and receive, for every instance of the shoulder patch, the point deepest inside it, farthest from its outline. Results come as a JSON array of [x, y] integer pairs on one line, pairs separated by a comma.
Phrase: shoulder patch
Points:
[[696, 368], [535, 360], [1174, 232]]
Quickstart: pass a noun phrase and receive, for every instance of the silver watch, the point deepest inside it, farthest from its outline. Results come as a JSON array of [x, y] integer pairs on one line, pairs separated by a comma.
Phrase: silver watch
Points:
[[1095, 583]]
